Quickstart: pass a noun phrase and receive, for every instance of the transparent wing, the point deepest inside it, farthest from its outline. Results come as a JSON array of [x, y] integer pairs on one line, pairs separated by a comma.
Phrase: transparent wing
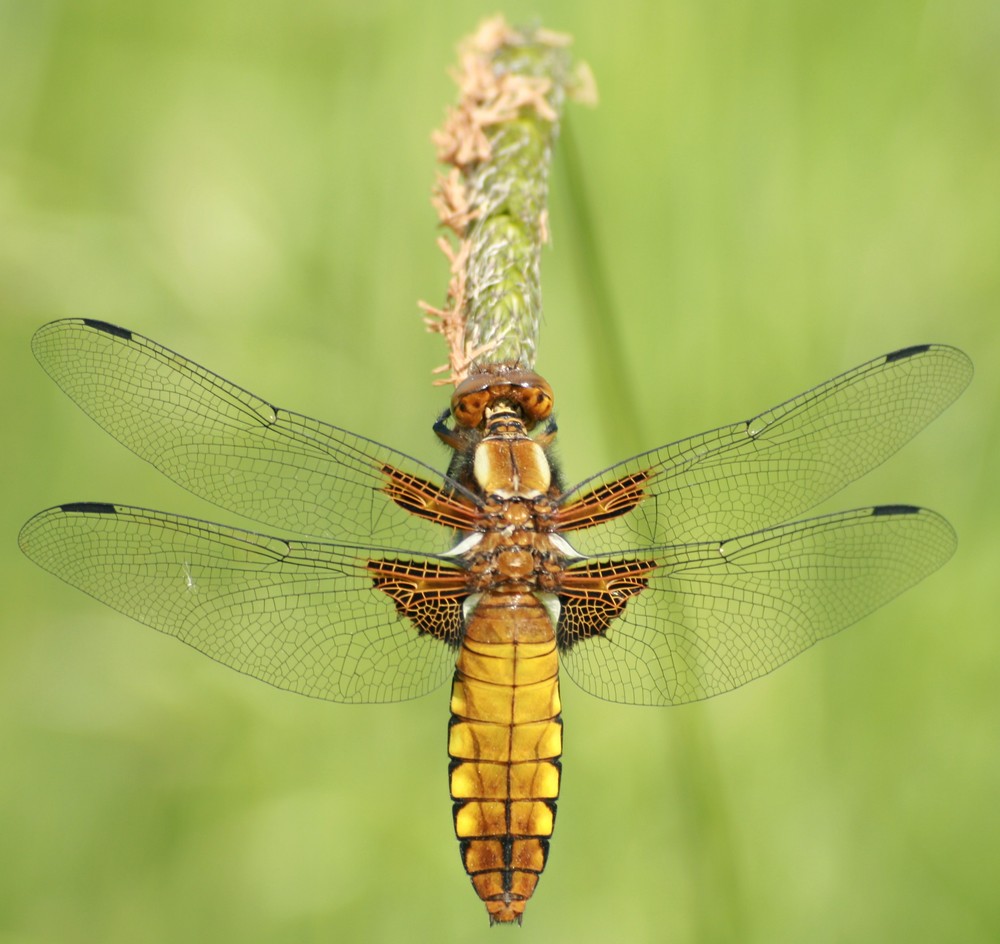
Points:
[[717, 615], [302, 616], [230, 446], [776, 466]]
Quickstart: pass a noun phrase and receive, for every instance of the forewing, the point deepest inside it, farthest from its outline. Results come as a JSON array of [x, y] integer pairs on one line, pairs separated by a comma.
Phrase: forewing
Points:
[[713, 616], [774, 467], [303, 616], [227, 445]]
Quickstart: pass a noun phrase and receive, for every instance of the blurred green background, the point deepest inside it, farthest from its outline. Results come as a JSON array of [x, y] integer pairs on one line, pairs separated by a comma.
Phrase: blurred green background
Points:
[[777, 192]]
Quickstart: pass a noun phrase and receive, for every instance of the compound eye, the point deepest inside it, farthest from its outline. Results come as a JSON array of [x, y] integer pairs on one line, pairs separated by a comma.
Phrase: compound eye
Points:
[[535, 400], [468, 408], [538, 404]]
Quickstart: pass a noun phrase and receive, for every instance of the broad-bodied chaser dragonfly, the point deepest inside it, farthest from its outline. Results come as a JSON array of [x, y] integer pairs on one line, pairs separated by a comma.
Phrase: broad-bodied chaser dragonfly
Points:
[[674, 576]]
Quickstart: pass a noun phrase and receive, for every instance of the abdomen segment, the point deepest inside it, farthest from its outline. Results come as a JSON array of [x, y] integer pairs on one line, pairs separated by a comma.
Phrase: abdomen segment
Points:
[[504, 741]]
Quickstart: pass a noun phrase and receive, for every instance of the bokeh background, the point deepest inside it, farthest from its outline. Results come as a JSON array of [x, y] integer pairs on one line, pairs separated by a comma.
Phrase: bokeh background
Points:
[[774, 192]]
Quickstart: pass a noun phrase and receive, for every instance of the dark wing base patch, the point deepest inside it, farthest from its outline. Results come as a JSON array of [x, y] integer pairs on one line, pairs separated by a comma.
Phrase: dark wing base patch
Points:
[[428, 595], [425, 500], [604, 503], [593, 595]]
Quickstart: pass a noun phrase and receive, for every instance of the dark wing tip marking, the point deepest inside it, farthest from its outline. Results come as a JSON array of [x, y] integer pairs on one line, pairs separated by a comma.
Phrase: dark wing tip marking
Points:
[[895, 510], [89, 508], [905, 352], [108, 328]]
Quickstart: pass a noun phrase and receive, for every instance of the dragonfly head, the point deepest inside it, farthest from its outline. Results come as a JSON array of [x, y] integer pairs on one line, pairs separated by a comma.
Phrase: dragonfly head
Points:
[[498, 386]]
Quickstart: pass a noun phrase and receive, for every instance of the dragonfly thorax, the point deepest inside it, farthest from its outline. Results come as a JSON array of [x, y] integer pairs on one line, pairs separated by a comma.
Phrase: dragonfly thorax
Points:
[[507, 463], [514, 554]]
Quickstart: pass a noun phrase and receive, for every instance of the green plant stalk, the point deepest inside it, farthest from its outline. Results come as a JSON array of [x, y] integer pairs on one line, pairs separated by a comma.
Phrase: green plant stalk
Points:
[[509, 193], [498, 140]]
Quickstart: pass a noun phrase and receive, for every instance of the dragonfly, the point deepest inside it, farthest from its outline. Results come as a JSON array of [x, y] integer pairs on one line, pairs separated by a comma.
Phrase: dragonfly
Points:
[[674, 576]]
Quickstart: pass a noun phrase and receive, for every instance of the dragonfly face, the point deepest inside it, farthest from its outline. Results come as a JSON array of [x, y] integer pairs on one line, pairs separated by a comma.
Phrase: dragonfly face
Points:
[[676, 575]]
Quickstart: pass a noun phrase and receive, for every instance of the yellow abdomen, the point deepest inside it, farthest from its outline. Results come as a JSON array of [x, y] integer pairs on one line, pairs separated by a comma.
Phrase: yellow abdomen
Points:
[[504, 741]]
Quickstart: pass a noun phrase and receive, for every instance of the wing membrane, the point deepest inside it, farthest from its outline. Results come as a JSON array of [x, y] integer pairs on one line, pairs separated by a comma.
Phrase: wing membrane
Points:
[[714, 616], [776, 466], [227, 445], [302, 616]]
